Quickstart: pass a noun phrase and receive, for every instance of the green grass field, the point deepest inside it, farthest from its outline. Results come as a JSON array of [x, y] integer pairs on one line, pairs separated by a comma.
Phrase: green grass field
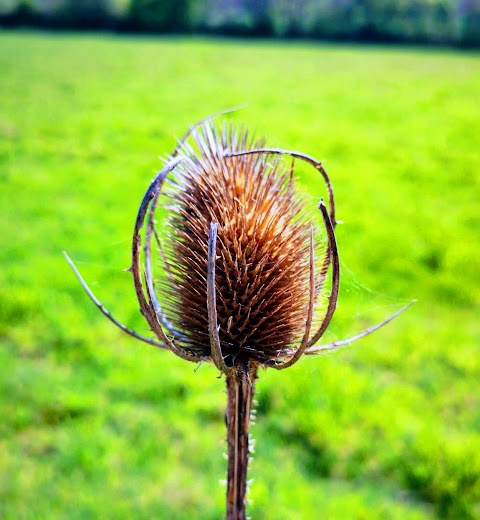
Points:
[[95, 425]]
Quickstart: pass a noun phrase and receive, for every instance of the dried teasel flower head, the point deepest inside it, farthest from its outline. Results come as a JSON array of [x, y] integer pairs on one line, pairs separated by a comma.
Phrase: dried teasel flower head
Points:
[[240, 278], [246, 209]]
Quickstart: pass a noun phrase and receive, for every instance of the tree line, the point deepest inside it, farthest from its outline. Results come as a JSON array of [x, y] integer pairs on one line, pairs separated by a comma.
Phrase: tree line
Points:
[[454, 22]]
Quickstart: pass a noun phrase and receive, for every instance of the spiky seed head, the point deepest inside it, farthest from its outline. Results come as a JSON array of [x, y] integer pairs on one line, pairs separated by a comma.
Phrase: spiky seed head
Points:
[[262, 251]]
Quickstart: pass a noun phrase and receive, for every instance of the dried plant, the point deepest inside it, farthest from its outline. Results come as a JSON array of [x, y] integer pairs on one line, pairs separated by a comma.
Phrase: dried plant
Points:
[[243, 277]]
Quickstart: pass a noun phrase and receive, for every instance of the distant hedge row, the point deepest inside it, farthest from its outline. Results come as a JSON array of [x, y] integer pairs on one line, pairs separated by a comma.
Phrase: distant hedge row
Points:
[[427, 21]]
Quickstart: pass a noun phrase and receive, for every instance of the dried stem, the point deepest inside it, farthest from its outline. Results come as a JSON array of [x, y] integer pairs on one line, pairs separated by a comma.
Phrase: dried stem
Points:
[[334, 345], [106, 312], [332, 299], [150, 308], [304, 157], [240, 391], [212, 302]]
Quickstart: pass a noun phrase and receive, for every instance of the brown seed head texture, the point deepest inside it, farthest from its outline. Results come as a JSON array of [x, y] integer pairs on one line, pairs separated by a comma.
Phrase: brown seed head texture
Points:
[[262, 252]]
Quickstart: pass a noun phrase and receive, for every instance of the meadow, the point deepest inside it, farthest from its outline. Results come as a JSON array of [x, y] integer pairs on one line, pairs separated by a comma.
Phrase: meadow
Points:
[[95, 425]]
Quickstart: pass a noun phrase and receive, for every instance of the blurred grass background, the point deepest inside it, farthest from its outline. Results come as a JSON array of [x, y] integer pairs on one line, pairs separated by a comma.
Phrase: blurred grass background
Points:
[[96, 425]]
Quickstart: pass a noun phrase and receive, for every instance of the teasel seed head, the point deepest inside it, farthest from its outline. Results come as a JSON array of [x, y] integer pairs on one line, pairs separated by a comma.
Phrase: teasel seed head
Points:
[[239, 280]]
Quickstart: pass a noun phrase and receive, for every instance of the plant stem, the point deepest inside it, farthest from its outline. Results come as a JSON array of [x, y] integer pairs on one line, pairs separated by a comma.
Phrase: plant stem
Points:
[[240, 391]]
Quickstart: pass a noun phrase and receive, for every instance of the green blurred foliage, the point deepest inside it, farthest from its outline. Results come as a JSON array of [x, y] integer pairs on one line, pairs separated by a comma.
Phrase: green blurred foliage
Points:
[[468, 22], [80, 14], [95, 425], [158, 15], [72, 13], [425, 21]]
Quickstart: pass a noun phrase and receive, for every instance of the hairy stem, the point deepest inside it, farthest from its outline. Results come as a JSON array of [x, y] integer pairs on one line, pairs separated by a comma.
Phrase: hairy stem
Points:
[[240, 391]]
